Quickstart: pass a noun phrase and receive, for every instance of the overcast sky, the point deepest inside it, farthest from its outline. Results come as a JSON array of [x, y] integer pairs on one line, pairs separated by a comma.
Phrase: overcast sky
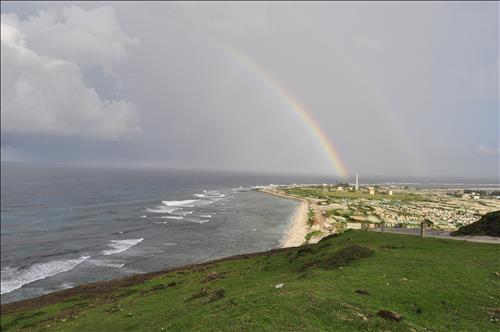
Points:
[[400, 89]]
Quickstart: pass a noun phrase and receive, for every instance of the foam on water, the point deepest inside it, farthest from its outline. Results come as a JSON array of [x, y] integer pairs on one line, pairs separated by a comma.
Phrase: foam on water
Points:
[[182, 213], [14, 278], [162, 209], [105, 263], [210, 195], [66, 285], [186, 202], [173, 217], [120, 246], [196, 220]]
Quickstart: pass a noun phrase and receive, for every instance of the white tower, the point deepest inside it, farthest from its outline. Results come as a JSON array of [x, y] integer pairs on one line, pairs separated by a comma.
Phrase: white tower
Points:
[[357, 184]]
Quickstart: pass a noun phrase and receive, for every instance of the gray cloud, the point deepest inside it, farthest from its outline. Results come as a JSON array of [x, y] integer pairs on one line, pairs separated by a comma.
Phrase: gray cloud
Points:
[[43, 91], [485, 151]]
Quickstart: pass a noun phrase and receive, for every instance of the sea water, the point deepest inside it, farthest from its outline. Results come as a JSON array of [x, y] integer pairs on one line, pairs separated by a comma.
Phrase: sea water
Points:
[[65, 226]]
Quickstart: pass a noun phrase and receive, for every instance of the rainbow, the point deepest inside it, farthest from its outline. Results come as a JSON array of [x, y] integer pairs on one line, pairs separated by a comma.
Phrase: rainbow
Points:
[[295, 106]]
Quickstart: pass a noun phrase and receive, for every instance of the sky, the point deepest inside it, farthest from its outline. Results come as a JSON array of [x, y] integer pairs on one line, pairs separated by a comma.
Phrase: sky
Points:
[[327, 88]]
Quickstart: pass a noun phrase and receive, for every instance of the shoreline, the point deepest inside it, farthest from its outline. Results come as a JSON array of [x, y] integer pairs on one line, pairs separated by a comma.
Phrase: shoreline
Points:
[[297, 229]]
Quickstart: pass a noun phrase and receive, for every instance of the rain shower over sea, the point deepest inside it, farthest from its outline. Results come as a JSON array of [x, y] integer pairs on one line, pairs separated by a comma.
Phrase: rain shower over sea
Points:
[[65, 226]]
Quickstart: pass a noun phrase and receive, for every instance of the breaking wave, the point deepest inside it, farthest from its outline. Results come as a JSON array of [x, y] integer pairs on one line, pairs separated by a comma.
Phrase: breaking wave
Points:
[[188, 210], [173, 217], [186, 202], [162, 209], [120, 246], [15, 278]]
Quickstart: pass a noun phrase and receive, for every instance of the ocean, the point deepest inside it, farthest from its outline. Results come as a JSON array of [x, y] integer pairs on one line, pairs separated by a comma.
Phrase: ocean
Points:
[[65, 226]]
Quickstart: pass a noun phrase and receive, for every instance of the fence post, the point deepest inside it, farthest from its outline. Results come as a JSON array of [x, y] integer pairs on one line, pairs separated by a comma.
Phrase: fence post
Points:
[[422, 229]]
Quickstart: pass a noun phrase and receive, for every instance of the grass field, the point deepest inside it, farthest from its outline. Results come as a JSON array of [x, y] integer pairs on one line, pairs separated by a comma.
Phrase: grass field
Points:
[[338, 284]]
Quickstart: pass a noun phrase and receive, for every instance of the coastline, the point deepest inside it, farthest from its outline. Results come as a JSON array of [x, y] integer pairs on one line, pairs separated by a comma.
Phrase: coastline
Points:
[[297, 229]]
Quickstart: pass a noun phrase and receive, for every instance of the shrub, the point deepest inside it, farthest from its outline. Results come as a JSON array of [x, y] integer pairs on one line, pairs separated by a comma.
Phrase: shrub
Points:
[[339, 258], [488, 225], [310, 217], [312, 234]]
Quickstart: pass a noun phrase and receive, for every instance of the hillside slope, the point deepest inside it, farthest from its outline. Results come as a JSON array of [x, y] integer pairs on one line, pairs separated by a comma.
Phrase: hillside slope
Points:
[[488, 225], [339, 284]]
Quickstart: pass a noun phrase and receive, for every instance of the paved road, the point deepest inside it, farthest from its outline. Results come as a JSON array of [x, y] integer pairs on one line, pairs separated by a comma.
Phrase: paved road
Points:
[[440, 234]]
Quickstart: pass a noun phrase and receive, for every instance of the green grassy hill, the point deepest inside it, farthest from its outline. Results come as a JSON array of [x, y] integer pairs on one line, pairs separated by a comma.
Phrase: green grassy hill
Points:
[[338, 284], [488, 225]]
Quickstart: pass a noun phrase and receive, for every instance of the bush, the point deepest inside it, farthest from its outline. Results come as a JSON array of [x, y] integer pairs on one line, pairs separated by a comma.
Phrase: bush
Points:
[[339, 212], [312, 234], [488, 225], [310, 217]]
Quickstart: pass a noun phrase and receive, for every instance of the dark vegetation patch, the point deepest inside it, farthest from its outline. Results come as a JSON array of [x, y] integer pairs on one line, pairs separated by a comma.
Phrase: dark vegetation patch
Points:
[[339, 258], [216, 295], [494, 313], [389, 315], [324, 245], [362, 291], [201, 293], [306, 250], [201, 268], [207, 295], [21, 318], [312, 234], [347, 255], [390, 246], [331, 236], [211, 276], [152, 289], [488, 225]]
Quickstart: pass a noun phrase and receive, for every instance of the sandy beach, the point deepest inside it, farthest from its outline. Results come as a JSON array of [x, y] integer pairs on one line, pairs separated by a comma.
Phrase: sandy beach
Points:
[[297, 229]]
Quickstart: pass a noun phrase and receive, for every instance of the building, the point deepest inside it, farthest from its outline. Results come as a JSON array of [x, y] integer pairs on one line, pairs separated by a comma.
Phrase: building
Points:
[[371, 190], [390, 192]]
